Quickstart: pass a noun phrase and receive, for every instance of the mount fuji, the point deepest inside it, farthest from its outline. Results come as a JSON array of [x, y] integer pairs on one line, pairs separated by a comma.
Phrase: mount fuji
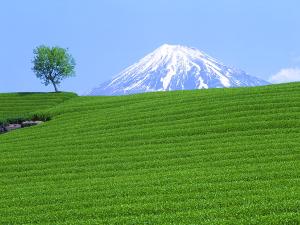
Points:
[[175, 67]]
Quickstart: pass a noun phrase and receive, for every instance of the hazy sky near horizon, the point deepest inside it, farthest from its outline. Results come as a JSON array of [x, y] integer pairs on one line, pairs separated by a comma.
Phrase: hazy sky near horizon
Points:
[[260, 37]]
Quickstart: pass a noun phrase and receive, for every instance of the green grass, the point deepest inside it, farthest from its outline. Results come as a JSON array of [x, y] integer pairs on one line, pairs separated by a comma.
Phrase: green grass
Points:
[[218, 156], [14, 106]]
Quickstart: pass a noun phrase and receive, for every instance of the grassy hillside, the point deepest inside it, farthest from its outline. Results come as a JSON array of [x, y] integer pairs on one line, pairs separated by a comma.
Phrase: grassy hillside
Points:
[[23, 105], [218, 156]]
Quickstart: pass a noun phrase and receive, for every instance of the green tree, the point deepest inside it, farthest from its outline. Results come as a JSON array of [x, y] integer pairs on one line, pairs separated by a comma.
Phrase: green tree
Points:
[[52, 65]]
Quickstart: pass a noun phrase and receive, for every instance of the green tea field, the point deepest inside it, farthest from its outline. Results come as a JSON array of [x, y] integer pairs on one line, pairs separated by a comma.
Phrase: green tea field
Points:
[[216, 156], [24, 105]]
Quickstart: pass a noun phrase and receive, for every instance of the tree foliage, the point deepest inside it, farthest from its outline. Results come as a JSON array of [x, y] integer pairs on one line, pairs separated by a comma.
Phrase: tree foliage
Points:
[[52, 65]]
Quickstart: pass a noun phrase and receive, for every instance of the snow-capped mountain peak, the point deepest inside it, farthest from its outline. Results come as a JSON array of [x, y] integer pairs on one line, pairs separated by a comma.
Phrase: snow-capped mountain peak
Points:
[[175, 67]]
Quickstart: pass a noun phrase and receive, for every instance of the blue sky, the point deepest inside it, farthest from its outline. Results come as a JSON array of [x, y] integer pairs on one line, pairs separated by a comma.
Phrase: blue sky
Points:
[[106, 36]]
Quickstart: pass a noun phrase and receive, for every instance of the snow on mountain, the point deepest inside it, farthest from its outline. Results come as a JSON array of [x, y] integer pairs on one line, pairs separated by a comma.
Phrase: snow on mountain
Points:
[[175, 67]]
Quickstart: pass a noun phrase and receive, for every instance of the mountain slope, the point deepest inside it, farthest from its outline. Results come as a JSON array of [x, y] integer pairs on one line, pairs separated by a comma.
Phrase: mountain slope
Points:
[[217, 156], [175, 67]]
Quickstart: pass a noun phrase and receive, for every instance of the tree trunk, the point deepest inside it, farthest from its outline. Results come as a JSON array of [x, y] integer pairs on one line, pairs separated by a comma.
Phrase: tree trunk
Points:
[[55, 87]]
